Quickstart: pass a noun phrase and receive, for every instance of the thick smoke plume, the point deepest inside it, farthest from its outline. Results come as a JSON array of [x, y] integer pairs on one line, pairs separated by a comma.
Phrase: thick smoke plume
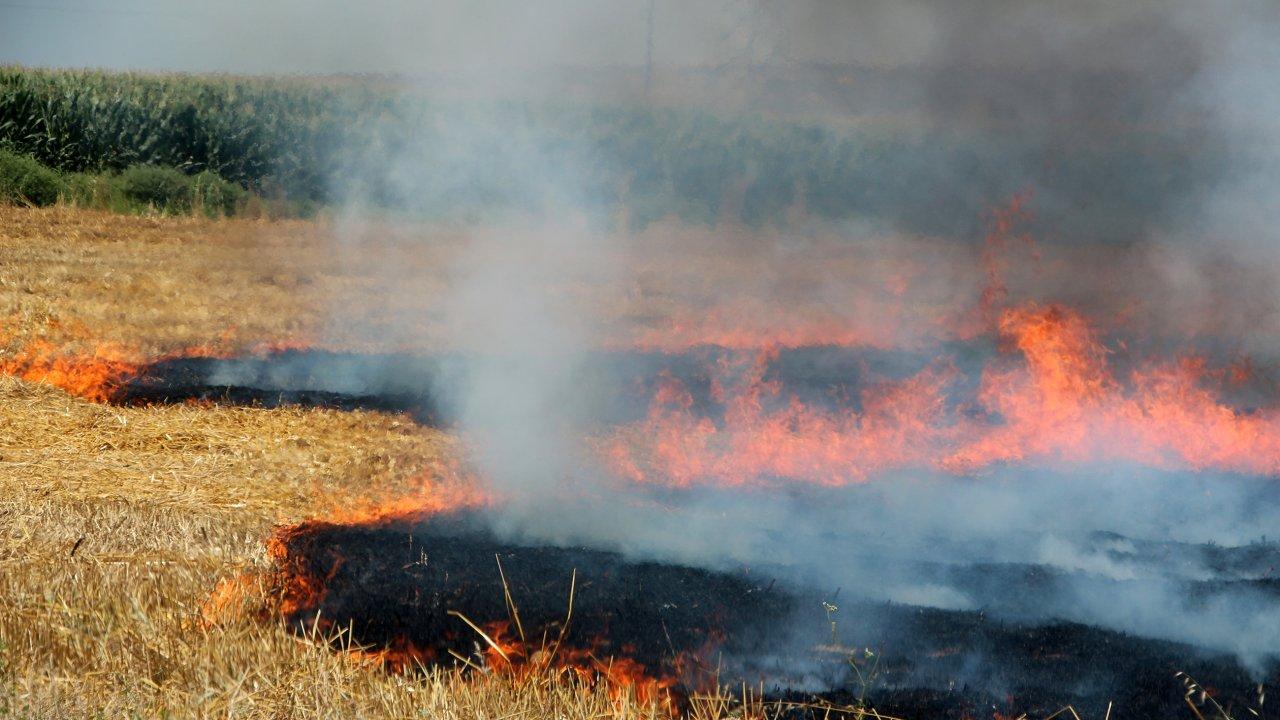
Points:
[[1144, 134]]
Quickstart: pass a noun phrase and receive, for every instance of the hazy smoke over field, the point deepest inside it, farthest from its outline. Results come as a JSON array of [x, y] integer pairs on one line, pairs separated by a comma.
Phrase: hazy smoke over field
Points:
[[1084, 101]]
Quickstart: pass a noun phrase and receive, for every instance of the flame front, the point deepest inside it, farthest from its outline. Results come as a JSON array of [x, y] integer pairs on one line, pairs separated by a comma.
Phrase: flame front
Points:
[[1050, 396], [99, 374], [94, 376], [1055, 388]]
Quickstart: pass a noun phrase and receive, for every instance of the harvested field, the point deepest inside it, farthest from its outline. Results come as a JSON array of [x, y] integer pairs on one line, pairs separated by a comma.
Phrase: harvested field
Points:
[[118, 522], [121, 521], [264, 376], [155, 285], [695, 361]]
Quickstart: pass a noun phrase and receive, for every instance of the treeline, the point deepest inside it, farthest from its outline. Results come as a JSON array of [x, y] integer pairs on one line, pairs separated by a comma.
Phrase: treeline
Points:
[[307, 143]]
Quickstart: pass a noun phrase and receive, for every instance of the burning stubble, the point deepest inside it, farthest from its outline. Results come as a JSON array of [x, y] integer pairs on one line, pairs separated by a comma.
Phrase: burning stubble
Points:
[[877, 400], [942, 472], [942, 465]]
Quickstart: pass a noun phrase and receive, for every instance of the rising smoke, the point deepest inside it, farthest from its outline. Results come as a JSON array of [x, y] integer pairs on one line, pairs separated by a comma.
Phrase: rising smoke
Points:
[[1146, 134]]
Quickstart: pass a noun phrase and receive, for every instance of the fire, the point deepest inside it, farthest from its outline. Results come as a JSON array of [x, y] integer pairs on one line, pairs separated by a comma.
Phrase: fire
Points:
[[95, 376], [293, 589], [99, 374], [233, 597], [1050, 396], [525, 662], [1049, 402], [1065, 403], [441, 490], [621, 675], [446, 485], [764, 436]]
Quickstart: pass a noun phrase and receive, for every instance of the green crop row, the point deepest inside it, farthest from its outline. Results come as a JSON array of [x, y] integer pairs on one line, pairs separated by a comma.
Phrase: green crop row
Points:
[[314, 142]]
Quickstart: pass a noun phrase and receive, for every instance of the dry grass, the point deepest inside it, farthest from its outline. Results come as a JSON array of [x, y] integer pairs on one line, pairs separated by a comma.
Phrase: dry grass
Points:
[[157, 285], [116, 523]]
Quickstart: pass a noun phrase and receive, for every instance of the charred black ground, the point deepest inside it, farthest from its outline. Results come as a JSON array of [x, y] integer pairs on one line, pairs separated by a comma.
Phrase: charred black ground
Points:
[[616, 386], [305, 378], [395, 582]]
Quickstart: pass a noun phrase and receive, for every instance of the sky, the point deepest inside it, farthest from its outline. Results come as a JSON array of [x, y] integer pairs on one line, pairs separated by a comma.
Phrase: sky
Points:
[[402, 37]]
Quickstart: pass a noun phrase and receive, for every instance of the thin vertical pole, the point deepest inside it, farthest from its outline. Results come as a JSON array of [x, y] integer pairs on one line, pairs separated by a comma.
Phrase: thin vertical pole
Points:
[[648, 55]]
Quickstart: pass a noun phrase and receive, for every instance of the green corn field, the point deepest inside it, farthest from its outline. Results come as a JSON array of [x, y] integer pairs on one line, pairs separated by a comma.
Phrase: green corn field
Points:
[[323, 141]]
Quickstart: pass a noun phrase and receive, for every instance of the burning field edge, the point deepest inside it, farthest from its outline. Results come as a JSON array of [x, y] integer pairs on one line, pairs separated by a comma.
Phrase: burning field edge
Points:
[[135, 490]]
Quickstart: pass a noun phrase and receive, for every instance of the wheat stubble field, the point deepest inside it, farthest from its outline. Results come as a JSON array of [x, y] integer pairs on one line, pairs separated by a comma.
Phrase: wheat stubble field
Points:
[[123, 525], [836, 358], [118, 522]]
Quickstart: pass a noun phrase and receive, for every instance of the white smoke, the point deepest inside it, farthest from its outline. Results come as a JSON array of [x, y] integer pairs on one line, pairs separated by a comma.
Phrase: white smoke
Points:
[[1049, 84], [1060, 78]]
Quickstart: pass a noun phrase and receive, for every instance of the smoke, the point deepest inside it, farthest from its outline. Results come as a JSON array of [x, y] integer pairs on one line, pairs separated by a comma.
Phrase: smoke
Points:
[[518, 399], [1135, 127], [1146, 131]]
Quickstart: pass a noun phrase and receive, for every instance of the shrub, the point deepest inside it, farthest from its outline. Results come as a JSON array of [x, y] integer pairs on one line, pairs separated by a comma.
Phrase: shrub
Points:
[[24, 180], [214, 195], [165, 189], [97, 191]]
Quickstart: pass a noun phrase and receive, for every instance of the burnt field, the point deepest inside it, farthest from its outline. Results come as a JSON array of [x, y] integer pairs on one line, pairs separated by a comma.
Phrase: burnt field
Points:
[[1030, 597], [395, 585], [640, 360], [1026, 510], [620, 382], [1012, 621]]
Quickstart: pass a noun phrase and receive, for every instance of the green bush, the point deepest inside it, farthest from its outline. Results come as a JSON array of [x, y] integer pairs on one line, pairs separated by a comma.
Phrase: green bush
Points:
[[215, 196], [24, 180], [97, 191], [164, 189], [167, 190]]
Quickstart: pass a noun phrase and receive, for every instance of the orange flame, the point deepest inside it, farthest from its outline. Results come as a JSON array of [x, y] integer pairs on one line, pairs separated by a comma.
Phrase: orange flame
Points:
[[899, 424], [95, 376], [302, 589], [99, 374], [444, 486], [1051, 396], [620, 674], [1066, 404], [234, 597]]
